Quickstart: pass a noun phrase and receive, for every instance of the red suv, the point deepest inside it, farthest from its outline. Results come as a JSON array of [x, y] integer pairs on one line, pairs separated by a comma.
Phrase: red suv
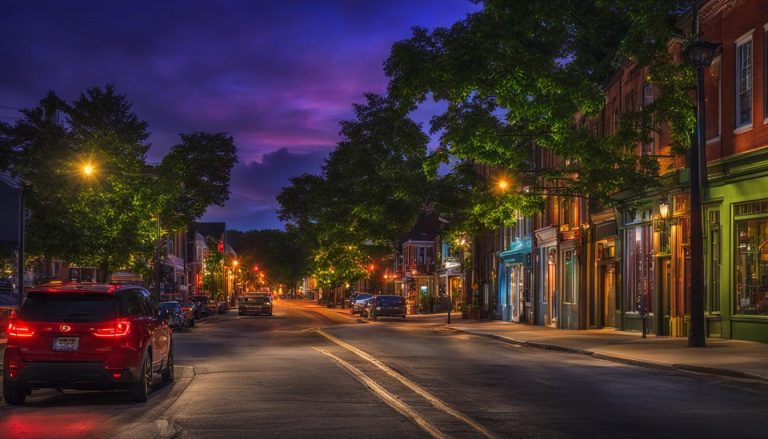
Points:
[[86, 337]]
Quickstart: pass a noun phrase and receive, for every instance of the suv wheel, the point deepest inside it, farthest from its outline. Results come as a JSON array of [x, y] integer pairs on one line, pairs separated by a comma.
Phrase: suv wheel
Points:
[[168, 373], [12, 394], [140, 389], [192, 323]]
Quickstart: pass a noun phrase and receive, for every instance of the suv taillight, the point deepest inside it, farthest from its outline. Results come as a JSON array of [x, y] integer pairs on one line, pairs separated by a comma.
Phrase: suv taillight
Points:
[[19, 329], [119, 328]]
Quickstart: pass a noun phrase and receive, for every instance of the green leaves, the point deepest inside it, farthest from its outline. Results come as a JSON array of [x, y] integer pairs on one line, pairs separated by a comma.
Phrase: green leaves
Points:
[[280, 254], [372, 188], [521, 76], [194, 175], [108, 219]]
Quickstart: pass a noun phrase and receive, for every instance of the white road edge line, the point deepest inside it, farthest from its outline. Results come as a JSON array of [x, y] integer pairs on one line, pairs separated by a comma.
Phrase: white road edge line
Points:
[[435, 401], [391, 400]]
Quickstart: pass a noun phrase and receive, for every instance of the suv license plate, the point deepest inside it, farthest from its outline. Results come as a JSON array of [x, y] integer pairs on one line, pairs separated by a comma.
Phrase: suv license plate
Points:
[[66, 344]]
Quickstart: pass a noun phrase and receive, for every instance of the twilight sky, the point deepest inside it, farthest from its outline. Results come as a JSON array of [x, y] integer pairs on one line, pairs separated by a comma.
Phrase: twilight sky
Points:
[[278, 75]]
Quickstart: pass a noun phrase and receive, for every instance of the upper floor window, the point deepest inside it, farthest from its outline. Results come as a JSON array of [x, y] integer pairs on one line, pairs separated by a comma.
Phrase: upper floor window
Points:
[[744, 82], [648, 147], [647, 94]]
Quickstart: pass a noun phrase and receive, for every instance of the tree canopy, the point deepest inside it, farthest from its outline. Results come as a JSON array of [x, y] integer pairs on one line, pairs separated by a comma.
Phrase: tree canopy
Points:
[[370, 192], [519, 74], [280, 254], [107, 217]]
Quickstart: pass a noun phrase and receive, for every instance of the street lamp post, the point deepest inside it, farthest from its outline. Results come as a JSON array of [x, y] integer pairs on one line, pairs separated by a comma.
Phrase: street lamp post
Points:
[[234, 280], [698, 54]]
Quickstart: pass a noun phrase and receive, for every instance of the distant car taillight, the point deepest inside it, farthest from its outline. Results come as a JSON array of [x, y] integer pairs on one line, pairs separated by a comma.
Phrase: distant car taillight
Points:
[[119, 328], [19, 329]]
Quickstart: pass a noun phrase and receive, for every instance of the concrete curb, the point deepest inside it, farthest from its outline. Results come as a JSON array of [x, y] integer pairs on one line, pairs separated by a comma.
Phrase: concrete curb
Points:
[[619, 359]]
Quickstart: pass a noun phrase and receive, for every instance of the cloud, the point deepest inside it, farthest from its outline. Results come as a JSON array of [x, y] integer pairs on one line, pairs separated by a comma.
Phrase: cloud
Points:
[[254, 186]]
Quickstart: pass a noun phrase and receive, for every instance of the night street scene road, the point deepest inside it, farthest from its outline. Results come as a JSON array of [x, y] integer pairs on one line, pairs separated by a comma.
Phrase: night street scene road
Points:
[[343, 219]]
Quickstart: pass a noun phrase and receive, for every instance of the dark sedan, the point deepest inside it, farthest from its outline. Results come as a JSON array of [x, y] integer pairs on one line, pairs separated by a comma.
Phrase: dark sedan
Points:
[[385, 306], [202, 305], [175, 314], [255, 303], [358, 303]]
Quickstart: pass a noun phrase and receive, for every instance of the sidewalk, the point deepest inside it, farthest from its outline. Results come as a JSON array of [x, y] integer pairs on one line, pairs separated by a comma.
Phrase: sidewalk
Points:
[[733, 358]]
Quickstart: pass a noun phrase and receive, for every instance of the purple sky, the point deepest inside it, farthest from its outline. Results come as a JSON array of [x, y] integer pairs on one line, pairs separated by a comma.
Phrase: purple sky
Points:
[[277, 75]]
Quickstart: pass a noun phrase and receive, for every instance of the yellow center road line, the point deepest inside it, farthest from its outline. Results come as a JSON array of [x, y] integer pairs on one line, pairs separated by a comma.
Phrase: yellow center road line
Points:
[[391, 400], [435, 401]]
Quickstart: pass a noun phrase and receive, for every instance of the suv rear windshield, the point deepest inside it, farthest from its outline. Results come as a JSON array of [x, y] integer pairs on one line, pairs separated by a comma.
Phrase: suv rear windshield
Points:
[[390, 300], [46, 307]]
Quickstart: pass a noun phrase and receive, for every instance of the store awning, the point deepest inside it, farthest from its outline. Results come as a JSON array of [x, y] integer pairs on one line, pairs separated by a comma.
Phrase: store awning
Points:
[[517, 251]]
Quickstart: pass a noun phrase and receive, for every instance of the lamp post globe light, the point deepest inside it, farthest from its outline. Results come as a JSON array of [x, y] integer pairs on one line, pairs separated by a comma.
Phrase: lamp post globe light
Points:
[[698, 54]]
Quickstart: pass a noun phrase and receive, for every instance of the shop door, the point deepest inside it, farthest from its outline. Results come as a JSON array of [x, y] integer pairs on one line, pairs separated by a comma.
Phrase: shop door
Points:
[[665, 296], [542, 306], [550, 285], [608, 295], [516, 290]]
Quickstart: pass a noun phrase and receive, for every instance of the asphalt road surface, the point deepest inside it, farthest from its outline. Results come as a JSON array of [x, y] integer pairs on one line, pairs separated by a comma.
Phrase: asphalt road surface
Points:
[[313, 372]]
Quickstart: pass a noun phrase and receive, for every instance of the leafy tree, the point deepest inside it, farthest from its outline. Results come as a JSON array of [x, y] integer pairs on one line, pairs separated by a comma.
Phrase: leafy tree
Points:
[[519, 74], [214, 271], [372, 188], [280, 254], [108, 219], [195, 174], [99, 220]]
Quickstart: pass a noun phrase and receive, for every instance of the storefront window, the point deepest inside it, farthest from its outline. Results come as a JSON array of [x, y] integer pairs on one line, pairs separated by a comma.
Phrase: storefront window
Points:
[[568, 287], [752, 267], [639, 268], [713, 293]]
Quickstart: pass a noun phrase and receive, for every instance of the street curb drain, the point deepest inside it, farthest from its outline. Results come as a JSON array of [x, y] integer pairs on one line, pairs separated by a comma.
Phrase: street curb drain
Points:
[[619, 359]]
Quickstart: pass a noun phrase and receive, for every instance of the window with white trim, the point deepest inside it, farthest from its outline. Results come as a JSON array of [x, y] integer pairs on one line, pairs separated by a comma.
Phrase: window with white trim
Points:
[[648, 98], [744, 83]]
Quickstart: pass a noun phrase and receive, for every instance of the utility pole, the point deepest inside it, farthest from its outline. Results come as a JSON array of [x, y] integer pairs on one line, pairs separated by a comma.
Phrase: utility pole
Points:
[[20, 266], [157, 262]]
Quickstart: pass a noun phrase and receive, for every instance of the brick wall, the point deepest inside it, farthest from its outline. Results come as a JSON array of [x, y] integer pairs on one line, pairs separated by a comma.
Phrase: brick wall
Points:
[[727, 23]]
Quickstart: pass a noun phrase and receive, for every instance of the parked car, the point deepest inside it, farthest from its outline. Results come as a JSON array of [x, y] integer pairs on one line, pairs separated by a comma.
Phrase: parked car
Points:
[[202, 305], [175, 314], [255, 302], [222, 307], [189, 309], [86, 336], [385, 306], [357, 303]]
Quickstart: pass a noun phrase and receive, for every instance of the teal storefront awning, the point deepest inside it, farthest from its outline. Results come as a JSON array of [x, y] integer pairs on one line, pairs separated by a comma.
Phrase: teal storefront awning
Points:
[[516, 252]]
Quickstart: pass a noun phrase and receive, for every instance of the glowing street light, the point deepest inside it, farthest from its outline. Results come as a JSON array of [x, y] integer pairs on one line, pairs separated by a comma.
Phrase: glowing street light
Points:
[[503, 184]]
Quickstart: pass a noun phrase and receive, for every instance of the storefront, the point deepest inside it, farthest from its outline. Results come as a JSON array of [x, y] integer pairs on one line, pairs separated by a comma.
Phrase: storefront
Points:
[[547, 307], [515, 283], [451, 280], [638, 270], [736, 263]]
